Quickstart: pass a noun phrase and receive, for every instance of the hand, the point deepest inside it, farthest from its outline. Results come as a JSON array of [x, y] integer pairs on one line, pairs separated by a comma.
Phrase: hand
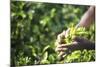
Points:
[[78, 43]]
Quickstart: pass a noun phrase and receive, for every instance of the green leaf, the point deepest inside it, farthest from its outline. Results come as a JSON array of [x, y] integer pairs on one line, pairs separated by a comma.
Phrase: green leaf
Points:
[[45, 56], [45, 48]]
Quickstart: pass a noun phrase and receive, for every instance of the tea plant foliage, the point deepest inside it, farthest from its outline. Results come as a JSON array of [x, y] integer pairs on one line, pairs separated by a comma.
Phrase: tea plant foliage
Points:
[[34, 28]]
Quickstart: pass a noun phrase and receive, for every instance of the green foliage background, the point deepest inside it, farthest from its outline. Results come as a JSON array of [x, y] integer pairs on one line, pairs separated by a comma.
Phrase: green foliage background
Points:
[[34, 28]]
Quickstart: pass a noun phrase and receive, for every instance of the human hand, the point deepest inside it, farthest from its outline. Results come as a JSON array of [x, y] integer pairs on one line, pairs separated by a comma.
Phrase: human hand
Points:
[[78, 43]]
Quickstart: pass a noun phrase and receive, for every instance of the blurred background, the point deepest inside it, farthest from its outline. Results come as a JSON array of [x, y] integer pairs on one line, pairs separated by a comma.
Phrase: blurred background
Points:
[[34, 29]]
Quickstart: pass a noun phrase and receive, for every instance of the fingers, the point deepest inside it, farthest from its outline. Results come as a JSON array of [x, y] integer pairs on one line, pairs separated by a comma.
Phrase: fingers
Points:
[[61, 48], [59, 42], [62, 55], [66, 47], [62, 35], [60, 38]]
